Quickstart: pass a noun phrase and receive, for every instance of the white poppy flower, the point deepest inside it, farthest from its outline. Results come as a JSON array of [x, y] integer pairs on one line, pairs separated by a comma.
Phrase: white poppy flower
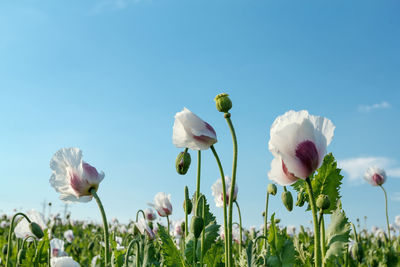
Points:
[[299, 141], [69, 236], [162, 204], [144, 228], [279, 173], [150, 214], [72, 177], [22, 229], [217, 191], [57, 248], [236, 234], [95, 261], [192, 132], [375, 176], [177, 228], [397, 220], [63, 262]]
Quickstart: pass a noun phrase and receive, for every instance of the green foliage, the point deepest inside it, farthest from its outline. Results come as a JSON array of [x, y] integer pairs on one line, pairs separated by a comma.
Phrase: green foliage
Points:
[[208, 216], [214, 256], [170, 253]]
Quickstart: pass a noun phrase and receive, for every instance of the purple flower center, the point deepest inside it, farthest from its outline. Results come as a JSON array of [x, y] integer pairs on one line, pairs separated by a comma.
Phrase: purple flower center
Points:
[[378, 179], [307, 153]]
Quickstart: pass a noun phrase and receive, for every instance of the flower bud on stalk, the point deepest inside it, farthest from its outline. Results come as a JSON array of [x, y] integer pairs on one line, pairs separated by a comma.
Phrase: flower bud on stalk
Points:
[[357, 252], [5, 250], [21, 256], [287, 200], [301, 198], [182, 162], [323, 202], [187, 203], [196, 226], [36, 230], [223, 103], [272, 189]]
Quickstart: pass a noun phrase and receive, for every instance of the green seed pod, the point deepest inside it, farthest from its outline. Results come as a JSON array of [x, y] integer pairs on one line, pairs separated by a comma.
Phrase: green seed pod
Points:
[[36, 230], [223, 103], [5, 249], [182, 162], [287, 200], [187, 208], [301, 198], [196, 226], [277, 221], [91, 246], [272, 189], [21, 256], [323, 202]]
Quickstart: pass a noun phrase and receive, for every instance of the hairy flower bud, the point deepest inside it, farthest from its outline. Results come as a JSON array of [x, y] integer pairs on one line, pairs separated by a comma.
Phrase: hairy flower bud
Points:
[[182, 162], [196, 226], [36, 230], [287, 200], [187, 203], [357, 252], [323, 202], [223, 103], [272, 189], [301, 198], [21, 256]]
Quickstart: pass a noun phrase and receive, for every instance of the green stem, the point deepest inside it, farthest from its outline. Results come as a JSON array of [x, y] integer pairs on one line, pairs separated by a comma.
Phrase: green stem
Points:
[[240, 227], [317, 245], [221, 170], [354, 232], [266, 221], [168, 224], [234, 166], [9, 248], [128, 251], [322, 229], [105, 226], [137, 215], [387, 215], [194, 252], [203, 234], [198, 178]]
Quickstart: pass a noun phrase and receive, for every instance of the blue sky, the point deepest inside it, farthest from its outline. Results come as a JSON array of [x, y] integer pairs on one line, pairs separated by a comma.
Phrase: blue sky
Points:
[[109, 76]]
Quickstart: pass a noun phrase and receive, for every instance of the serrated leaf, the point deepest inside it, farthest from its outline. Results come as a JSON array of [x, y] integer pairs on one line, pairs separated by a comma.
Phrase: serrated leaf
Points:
[[211, 234], [251, 254], [337, 234], [208, 216], [288, 254], [170, 253], [214, 256]]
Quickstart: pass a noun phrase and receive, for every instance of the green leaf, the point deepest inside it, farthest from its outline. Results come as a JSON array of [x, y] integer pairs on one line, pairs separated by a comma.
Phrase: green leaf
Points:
[[214, 256], [337, 234], [170, 253], [208, 216], [211, 234], [327, 181]]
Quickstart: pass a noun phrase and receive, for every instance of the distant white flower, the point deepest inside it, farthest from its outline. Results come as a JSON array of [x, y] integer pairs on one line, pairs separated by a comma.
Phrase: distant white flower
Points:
[[95, 261], [162, 204], [298, 141], [4, 224], [144, 228], [192, 132], [119, 240], [375, 176], [63, 262], [57, 248], [397, 220], [22, 229], [177, 228], [236, 234], [374, 229], [69, 236], [291, 230], [217, 191], [72, 177], [150, 214]]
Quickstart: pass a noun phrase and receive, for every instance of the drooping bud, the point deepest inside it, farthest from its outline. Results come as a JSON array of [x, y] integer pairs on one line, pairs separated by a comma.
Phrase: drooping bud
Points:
[[91, 246], [183, 227], [21, 256], [196, 226], [182, 162], [187, 203], [323, 202], [287, 200], [277, 221], [272, 189], [357, 252], [36, 230], [5, 249], [301, 198], [223, 103], [135, 230]]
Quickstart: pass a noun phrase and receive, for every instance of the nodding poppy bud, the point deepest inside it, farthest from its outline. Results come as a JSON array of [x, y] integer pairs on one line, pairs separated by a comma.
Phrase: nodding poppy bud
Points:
[[183, 227], [196, 226], [301, 198], [36, 230], [272, 189], [135, 230], [357, 252], [182, 162], [287, 200], [5, 249], [91, 246], [277, 221], [21, 256], [113, 260], [223, 103], [187, 203], [323, 202]]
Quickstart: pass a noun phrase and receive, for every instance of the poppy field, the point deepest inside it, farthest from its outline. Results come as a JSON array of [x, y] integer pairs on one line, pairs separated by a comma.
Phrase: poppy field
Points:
[[299, 143]]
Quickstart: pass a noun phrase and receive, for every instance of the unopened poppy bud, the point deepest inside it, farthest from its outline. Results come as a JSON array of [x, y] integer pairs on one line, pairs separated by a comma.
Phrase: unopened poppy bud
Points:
[[21, 256], [301, 198], [91, 246], [272, 189], [357, 252], [187, 203], [196, 226], [5, 250], [277, 221], [135, 230], [323, 202], [183, 227], [182, 162], [287, 200], [223, 103], [36, 230]]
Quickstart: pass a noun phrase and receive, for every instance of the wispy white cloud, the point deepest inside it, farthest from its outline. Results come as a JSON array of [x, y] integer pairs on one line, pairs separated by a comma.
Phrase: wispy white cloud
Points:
[[104, 5], [355, 168], [366, 108], [396, 196]]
